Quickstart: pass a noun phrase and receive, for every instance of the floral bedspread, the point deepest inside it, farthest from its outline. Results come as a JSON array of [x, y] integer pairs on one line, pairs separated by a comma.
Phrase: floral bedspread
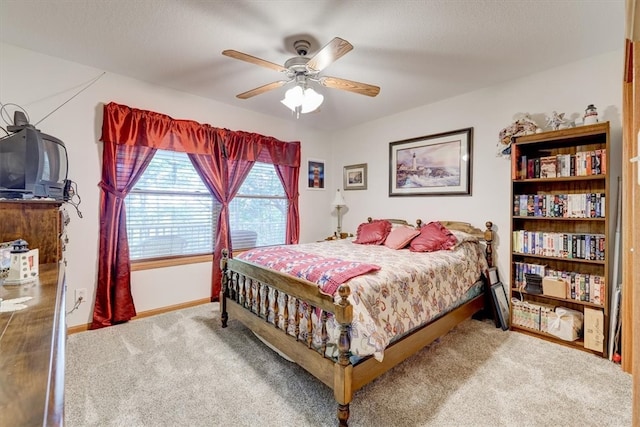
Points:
[[409, 290]]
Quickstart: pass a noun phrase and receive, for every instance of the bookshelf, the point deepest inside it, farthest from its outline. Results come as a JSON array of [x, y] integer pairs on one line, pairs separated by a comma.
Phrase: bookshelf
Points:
[[560, 228]]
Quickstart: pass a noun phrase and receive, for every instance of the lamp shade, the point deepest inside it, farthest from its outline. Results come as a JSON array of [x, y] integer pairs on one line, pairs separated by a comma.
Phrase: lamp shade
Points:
[[338, 200]]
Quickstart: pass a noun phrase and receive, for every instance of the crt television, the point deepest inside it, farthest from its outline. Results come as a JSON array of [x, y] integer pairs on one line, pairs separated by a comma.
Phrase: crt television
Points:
[[32, 164]]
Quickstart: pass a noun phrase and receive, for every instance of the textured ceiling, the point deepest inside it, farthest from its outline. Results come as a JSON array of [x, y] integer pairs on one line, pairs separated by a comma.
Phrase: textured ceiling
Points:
[[418, 52]]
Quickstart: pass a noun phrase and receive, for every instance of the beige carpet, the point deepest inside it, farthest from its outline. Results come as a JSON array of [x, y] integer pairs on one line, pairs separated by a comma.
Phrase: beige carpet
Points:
[[183, 369]]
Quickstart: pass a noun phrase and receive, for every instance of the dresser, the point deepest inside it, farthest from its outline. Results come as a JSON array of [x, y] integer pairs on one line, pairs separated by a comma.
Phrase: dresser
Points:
[[32, 340]]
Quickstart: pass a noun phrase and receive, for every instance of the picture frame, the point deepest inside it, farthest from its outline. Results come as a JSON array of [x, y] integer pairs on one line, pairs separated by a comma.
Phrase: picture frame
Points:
[[492, 275], [315, 174], [355, 177], [501, 303], [438, 164]]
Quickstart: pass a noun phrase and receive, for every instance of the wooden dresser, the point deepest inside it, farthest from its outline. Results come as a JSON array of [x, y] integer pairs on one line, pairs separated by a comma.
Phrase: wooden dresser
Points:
[[32, 340]]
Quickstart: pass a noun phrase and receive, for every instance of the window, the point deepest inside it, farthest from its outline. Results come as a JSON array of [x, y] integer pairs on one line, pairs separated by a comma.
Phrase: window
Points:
[[258, 213], [171, 213]]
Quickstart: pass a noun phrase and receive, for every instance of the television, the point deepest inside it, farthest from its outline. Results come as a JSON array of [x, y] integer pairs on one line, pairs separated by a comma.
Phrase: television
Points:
[[32, 163]]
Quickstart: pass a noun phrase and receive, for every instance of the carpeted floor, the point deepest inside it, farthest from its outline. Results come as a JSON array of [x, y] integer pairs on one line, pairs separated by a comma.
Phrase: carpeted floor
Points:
[[183, 369]]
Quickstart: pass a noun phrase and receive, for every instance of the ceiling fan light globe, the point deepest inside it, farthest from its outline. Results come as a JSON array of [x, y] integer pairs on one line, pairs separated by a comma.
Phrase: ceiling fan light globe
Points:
[[293, 98], [302, 101], [287, 103], [312, 100]]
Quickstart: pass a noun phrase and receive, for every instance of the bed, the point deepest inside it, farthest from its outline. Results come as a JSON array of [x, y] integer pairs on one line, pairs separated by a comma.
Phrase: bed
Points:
[[348, 334]]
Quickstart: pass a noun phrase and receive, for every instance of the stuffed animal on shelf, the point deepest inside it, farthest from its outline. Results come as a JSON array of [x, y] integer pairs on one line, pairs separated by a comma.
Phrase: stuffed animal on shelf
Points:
[[522, 126]]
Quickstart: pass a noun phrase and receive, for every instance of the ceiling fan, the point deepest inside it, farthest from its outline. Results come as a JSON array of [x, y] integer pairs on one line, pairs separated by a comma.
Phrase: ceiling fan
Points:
[[302, 70]]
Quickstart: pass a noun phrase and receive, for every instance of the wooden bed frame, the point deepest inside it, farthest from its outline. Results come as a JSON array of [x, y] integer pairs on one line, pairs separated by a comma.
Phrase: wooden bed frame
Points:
[[342, 376]]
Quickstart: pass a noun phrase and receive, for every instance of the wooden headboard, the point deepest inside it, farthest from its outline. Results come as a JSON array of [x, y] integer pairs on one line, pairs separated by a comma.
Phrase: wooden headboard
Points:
[[399, 221], [484, 235]]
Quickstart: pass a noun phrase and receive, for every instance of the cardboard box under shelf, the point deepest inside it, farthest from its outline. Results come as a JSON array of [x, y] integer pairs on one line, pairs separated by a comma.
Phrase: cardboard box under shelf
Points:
[[554, 287], [593, 329], [565, 323]]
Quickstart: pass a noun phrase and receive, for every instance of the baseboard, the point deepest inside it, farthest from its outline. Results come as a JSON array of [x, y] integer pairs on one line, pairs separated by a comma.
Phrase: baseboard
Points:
[[148, 313]]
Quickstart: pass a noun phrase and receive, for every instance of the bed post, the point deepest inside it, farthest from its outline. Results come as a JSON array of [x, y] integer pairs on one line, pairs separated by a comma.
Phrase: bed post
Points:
[[488, 237], [343, 370], [224, 316]]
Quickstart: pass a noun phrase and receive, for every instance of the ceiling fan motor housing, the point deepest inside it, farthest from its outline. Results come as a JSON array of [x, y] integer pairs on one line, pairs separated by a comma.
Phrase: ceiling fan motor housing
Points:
[[302, 47], [297, 64]]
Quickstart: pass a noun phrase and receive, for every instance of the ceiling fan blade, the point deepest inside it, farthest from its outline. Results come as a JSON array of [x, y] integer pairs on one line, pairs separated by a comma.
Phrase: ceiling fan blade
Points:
[[331, 52], [253, 60], [262, 89], [349, 85]]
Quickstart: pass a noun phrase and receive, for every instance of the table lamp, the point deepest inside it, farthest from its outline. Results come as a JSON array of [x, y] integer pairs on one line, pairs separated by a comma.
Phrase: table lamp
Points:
[[339, 202]]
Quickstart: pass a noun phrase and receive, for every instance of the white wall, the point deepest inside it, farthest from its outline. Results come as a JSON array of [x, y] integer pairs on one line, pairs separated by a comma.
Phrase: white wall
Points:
[[568, 89], [40, 84]]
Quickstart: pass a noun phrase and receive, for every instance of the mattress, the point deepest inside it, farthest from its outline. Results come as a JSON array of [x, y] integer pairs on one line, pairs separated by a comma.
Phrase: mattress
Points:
[[409, 290]]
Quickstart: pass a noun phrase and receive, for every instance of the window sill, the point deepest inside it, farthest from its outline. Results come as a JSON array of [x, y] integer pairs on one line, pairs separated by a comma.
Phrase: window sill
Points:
[[169, 262]]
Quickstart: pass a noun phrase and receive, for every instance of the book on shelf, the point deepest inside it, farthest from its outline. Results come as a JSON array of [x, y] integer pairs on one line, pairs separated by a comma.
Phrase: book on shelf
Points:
[[559, 245], [563, 165], [582, 163], [532, 315], [597, 162], [587, 205], [579, 286], [523, 204], [530, 205], [548, 167], [530, 168]]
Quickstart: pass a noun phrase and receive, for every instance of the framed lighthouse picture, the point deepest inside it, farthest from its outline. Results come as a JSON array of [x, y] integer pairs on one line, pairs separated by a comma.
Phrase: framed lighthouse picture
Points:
[[315, 174], [437, 164]]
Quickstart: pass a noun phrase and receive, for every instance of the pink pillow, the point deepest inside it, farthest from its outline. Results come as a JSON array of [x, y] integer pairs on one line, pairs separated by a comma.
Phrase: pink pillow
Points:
[[433, 237], [373, 233], [400, 237]]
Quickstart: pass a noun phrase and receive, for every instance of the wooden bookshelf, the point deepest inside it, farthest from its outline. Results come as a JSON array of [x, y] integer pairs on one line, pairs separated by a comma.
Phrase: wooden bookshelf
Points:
[[560, 179]]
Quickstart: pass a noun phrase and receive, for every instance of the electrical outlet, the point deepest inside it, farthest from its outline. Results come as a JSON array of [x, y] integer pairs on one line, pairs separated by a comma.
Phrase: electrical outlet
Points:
[[81, 293]]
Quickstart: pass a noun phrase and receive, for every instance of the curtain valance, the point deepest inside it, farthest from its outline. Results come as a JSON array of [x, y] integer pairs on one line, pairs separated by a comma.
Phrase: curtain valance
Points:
[[124, 125]]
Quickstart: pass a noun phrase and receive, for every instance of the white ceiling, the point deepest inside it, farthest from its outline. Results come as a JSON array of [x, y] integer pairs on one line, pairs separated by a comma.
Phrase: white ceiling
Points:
[[418, 52]]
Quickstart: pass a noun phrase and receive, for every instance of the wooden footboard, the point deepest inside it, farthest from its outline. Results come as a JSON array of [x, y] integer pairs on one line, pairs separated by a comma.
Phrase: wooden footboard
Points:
[[237, 300]]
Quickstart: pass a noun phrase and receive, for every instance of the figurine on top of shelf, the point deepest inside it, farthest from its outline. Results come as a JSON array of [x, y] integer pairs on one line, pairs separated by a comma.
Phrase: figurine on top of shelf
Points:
[[590, 115], [556, 121], [522, 126]]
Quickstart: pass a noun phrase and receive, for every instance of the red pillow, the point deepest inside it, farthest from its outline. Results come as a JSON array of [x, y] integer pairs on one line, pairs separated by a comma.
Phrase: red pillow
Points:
[[373, 233], [433, 237], [400, 237]]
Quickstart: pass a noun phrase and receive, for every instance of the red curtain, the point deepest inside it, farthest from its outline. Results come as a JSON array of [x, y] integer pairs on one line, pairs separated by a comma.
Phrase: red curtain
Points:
[[122, 166], [223, 178], [289, 177], [223, 158]]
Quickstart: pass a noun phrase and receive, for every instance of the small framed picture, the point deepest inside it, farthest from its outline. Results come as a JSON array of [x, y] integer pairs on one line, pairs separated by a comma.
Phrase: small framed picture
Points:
[[355, 177], [315, 174], [493, 275], [501, 304]]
